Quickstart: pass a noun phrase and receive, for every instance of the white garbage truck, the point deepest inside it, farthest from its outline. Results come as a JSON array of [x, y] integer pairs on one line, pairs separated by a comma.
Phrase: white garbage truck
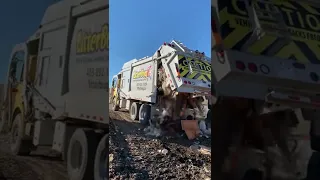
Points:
[[265, 71], [56, 92], [173, 82]]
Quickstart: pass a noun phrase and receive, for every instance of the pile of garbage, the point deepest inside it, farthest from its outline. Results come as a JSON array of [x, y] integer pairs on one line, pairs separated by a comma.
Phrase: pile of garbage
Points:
[[133, 155], [191, 128]]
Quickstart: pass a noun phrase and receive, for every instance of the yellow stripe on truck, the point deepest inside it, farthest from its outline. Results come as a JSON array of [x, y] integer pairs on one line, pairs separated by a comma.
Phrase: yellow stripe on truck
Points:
[[201, 70], [302, 20]]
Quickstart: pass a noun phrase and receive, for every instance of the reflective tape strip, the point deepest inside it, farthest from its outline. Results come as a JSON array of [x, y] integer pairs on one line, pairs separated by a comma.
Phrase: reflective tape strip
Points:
[[203, 72], [236, 29], [84, 116]]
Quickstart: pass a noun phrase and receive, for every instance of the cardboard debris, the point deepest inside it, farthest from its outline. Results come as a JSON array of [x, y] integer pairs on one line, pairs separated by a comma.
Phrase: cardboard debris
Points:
[[202, 149], [191, 128]]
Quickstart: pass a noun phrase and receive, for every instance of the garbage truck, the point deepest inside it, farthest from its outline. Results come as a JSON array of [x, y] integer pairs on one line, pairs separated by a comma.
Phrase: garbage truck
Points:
[[56, 88], [173, 83], [265, 69]]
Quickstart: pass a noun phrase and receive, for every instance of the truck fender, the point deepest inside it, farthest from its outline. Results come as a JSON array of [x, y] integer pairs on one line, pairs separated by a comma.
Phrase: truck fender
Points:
[[15, 112]]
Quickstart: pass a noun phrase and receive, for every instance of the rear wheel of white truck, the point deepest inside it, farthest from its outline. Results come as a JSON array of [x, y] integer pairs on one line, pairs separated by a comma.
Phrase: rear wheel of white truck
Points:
[[134, 111], [144, 114], [3, 122], [100, 162], [19, 144], [81, 154]]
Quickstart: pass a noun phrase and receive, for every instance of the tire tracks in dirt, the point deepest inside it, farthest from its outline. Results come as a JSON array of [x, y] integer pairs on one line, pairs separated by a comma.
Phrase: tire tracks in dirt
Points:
[[40, 165]]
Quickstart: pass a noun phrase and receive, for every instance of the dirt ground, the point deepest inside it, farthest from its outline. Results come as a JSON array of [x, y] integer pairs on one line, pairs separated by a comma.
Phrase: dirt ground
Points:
[[134, 155], [40, 165]]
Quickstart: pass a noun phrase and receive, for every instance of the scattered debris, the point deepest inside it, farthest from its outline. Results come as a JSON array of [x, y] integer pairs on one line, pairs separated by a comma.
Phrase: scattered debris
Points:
[[163, 151], [110, 158], [151, 157], [203, 128], [200, 148], [152, 131]]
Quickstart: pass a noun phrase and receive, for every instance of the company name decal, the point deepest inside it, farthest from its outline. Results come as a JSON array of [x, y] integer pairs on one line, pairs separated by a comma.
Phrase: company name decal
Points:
[[143, 73], [91, 42]]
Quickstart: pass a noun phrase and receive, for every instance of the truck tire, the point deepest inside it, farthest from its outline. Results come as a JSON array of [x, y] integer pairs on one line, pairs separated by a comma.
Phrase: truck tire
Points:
[[144, 114], [100, 161], [115, 107], [3, 123], [81, 153], [134, 111], [19, 144]]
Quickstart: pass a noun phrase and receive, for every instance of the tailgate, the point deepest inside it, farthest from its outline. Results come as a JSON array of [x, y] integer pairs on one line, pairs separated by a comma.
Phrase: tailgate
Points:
[[195, 74], [273, 68], [301, 18]]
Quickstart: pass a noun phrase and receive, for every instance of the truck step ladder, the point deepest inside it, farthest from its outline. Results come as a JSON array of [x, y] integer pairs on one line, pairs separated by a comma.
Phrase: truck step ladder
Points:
[[276, 28]]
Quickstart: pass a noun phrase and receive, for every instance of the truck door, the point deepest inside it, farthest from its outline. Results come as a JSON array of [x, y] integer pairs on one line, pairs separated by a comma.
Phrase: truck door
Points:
[[15, 86], [117, 88], [113, 88]]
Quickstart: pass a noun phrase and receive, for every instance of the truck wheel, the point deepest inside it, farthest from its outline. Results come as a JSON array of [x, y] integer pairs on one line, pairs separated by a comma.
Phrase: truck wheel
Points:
[[18, 143], [144, 114], [81, 154], [134, 111], [100, 161], [115, 107], [3, 123]]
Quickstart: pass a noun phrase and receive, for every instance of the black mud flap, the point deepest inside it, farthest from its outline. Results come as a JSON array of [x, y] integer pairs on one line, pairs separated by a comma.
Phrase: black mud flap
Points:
[[313, 172], [315, 135]]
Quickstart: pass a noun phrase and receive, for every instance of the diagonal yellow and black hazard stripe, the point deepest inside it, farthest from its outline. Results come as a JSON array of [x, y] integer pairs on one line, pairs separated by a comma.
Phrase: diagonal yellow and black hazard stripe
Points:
[[201, 70], [236, 30]]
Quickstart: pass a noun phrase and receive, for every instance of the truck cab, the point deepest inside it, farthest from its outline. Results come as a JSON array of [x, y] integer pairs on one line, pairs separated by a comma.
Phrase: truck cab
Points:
[[115, 89], [21, 73]]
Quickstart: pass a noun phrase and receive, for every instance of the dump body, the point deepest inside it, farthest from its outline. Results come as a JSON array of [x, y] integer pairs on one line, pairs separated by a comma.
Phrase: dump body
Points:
[[268, 46], [142, 83], [88, 68], [73, 60]]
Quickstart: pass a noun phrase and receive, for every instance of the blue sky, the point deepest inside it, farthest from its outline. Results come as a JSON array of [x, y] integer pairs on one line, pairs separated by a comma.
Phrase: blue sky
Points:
[[19, 19], [139, 27]]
